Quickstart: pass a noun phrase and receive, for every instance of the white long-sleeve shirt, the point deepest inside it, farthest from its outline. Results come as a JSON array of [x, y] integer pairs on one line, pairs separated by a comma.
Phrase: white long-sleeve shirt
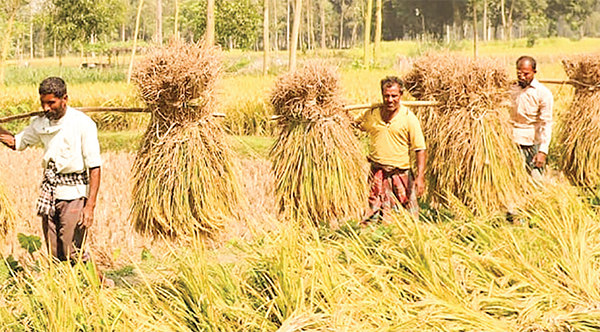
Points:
[[71, 141], [531, 115]]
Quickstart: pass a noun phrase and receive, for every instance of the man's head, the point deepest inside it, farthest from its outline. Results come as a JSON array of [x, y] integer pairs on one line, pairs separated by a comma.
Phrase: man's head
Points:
[[53, 96], [391, 91], [526, 69]]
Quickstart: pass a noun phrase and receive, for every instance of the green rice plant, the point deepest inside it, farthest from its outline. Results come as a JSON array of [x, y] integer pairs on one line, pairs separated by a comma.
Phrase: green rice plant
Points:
[[60, 297], [578, 135], [470, 154], [249, 117], [74, 75], [319, 168]]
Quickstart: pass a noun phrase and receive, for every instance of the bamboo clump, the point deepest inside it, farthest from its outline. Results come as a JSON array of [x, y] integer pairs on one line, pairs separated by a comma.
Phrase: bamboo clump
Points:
[[317, 161], [471, 157], [578, 133], [184, 179]]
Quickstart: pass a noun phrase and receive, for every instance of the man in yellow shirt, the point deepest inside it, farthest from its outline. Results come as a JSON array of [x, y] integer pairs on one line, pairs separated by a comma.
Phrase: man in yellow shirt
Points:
[[394, 131]]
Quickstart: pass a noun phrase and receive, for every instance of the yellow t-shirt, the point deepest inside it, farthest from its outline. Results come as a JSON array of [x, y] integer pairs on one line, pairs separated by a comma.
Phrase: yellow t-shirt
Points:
[[390, 143]]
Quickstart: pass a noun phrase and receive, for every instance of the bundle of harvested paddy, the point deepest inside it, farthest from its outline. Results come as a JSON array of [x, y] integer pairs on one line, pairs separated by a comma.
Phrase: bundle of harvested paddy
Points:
[[184, 181], [471, 157], [319, 168], [578, 134]]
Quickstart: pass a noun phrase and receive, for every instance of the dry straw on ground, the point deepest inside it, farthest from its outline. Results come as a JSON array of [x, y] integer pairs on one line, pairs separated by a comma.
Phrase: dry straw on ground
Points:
[[579, 133], [184, 181], [319, 168], [7, 215], [471, 158]]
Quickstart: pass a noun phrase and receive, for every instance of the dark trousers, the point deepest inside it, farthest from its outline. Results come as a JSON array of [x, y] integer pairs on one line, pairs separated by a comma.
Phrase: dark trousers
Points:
[[528, 152], [63, 233]]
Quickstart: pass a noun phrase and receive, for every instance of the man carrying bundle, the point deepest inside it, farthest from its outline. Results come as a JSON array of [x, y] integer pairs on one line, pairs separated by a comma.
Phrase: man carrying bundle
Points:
[[531, 116], [393, 131], [71, 169]]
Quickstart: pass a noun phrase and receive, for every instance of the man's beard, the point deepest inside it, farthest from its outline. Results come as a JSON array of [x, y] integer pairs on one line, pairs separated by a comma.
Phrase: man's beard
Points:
[[524, 84]]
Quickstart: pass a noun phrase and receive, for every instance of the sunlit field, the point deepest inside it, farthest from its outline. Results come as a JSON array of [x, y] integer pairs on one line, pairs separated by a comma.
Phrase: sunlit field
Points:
[[452, 270]]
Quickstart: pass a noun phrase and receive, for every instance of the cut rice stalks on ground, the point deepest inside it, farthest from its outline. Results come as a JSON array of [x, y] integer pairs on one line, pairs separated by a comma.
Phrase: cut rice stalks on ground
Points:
[[579, 133], [471, 157], [184, 179], [7, 215], [318, 164]]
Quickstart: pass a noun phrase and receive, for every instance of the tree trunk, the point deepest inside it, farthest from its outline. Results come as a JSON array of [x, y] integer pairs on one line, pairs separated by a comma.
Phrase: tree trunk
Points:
[[287, 26], [323, 44], [275, 26], [342, 12], [474, 29], [485, 21], [176, 22], [309, 25], [135, 35], [294, 36], [31, 52], [209, 37], [159, 34], [367, 35], [42, 37], [503, 12], [6, 45], [378, 23], [266, 45], [354, 36], [456, 21], [510, 21]]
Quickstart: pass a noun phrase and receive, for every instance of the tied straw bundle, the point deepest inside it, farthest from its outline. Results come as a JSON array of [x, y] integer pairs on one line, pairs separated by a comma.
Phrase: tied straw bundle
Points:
[[579, 133], [319, 168], [471, 158], [184, 180]]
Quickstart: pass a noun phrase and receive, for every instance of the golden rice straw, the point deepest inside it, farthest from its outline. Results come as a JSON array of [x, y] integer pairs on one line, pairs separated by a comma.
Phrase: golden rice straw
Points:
[[578, 129], [184, 179], [319, 168], [471, 158], [7, 214]]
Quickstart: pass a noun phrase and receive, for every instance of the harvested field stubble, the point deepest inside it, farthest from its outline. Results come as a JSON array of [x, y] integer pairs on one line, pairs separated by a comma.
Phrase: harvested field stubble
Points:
[[7, 215], [319, 168], [471, 158], [184, 179], [579, 133]]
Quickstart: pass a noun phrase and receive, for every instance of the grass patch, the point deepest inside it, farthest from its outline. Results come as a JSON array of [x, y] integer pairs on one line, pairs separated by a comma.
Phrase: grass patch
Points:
[[120, 141], [252, 146], [130, 140]]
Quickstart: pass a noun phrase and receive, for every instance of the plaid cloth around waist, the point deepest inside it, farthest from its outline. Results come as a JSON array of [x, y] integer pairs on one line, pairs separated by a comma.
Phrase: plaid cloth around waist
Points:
[[46, 203]]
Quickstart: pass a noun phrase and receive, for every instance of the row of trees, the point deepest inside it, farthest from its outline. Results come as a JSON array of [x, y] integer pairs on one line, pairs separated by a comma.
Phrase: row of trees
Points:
[[36, 28]]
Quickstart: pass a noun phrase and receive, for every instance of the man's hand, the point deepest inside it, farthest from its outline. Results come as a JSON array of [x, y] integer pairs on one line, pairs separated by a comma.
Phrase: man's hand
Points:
[[420, 184], [8, 140], [87, 216], [539, 160]]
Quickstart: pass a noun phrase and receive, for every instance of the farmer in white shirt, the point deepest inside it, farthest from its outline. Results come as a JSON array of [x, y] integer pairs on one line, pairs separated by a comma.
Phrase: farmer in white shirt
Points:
[[531, 116], [71, 164]]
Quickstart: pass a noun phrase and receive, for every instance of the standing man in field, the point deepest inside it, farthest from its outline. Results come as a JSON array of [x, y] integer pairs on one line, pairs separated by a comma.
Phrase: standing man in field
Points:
[[531, 116], [394, 131], [71, 164]]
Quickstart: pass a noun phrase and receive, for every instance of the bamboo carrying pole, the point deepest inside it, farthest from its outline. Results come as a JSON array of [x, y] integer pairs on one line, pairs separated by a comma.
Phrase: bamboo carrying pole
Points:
[[409, 103], [90, 110]]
